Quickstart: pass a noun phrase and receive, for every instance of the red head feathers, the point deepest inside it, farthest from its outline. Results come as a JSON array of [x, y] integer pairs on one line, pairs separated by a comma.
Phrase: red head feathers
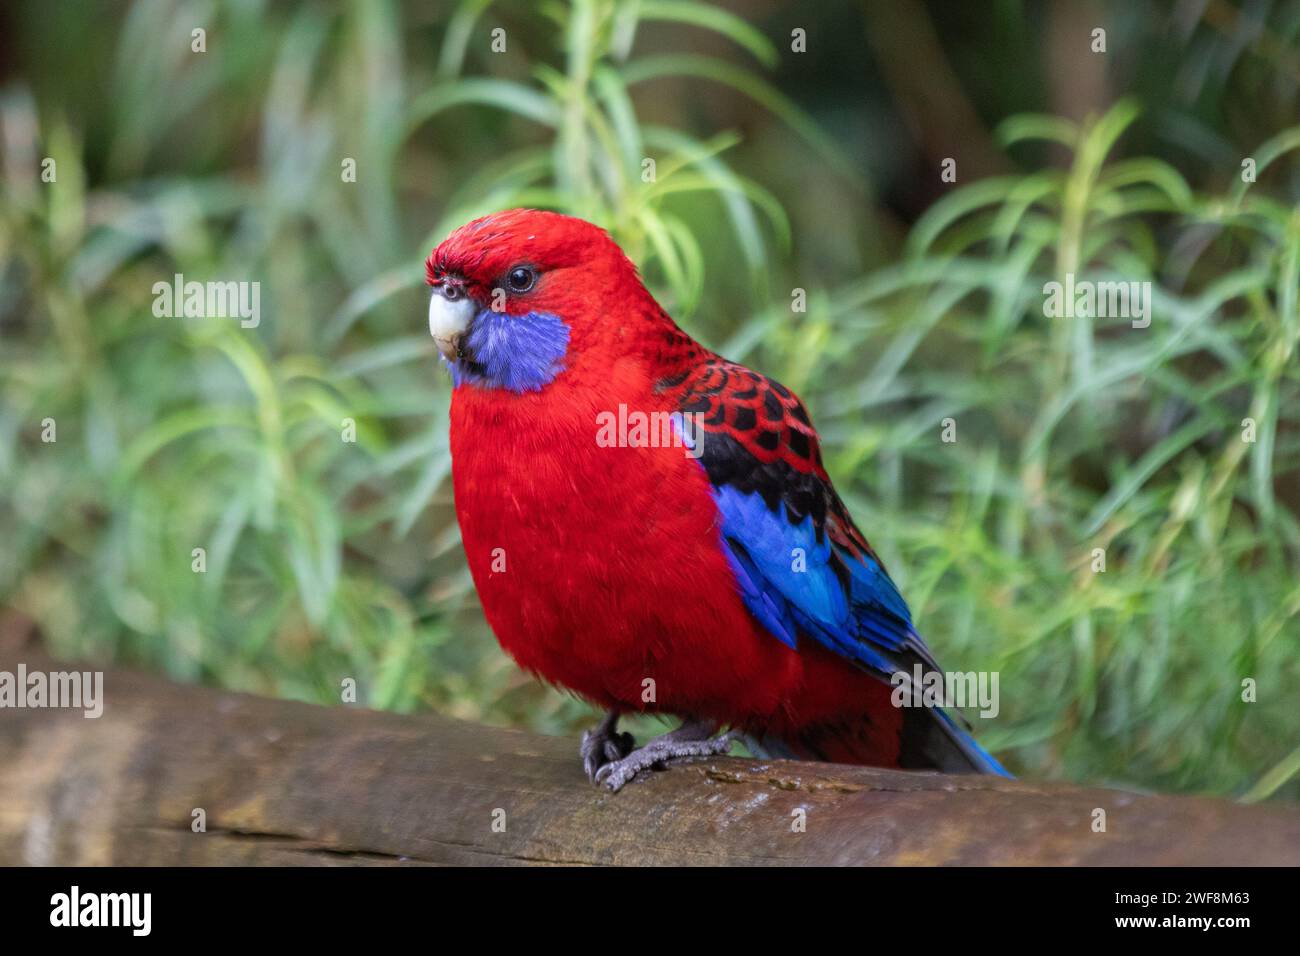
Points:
[[565, 283]]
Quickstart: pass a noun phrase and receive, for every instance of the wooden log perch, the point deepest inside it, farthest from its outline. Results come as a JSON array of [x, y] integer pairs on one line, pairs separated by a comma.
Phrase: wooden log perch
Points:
[[289, 783]]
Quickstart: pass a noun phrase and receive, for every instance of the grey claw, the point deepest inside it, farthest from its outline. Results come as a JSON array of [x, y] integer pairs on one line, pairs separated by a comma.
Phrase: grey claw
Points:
[[601, 747], [615, 775]]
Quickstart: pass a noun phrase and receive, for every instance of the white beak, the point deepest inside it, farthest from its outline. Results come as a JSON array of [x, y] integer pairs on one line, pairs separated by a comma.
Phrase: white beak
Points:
[[448, 320]]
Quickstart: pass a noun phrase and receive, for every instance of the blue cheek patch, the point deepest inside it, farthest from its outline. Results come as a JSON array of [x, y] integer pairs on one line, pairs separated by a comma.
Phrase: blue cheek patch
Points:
[[521, 353]]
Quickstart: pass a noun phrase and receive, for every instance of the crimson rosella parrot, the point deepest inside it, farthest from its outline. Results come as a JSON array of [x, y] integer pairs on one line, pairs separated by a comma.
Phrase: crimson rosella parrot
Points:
[[716, 576]]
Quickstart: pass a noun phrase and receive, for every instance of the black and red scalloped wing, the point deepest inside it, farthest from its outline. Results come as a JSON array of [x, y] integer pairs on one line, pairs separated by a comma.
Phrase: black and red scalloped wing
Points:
[[774, 449], [801, 563]]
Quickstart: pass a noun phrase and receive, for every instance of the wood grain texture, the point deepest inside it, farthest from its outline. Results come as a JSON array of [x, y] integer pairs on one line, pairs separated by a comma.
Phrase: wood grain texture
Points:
[[290, 783]]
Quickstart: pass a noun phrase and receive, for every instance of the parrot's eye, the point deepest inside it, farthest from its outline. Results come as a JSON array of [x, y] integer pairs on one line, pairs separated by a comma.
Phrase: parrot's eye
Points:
[[521, 279]]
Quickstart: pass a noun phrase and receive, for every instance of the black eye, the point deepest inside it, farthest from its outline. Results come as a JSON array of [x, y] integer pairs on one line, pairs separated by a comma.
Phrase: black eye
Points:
[[521, 279]]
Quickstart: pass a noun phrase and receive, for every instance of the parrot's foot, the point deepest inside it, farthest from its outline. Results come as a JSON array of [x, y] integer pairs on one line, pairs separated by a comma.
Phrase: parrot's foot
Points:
[[603, 745], [691, 739]]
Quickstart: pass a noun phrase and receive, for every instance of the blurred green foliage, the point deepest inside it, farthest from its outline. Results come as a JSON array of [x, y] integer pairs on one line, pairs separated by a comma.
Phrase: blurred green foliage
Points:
[[327, 559]]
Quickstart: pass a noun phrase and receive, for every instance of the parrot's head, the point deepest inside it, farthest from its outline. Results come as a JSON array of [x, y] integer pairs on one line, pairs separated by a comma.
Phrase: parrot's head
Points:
[[521, 296]]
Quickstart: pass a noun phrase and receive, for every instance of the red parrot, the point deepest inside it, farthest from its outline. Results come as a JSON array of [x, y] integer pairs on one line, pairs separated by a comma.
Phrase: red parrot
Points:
[[701, 565]]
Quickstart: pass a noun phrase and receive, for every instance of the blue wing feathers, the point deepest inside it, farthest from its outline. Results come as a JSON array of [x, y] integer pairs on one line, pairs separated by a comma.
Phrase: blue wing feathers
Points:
[[789, 582], [871, 626]]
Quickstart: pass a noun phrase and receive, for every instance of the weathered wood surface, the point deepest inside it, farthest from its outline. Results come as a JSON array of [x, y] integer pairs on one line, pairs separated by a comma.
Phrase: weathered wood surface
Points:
[[289, 783]]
